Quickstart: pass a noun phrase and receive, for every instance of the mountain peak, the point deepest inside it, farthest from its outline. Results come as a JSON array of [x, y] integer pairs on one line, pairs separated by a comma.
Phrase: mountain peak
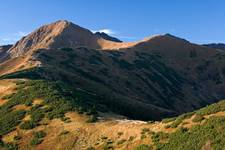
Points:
[[59, 34]]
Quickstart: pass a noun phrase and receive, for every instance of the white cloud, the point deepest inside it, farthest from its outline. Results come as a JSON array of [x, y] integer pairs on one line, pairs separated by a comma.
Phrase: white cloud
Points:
[[107, 31], [116, 34], [12, 38], [20, 34]]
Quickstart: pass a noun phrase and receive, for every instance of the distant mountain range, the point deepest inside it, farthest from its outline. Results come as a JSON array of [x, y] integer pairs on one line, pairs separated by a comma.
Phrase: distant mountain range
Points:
[[216, 45]]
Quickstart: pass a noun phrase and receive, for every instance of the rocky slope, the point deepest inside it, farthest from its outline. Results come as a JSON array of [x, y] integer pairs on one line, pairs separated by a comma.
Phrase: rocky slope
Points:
[[107, 37], [3, 52]]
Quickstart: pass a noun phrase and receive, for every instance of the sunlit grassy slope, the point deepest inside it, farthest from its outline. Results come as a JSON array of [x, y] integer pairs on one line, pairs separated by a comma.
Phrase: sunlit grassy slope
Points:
[[38, 114]]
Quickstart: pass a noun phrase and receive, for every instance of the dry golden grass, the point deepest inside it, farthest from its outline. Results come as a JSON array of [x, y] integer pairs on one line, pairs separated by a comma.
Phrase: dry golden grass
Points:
[[21, 107], [6, 87], [37, 101]]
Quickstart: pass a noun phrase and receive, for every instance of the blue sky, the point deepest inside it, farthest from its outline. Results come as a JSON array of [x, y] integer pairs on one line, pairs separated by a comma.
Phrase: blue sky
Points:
[[199, 21]]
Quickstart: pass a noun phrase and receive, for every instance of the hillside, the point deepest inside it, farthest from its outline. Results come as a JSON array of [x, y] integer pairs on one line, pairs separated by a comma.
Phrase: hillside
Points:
[[46, 120]]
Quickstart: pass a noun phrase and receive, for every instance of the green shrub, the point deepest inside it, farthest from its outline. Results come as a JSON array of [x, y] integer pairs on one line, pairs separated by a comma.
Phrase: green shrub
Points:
[[120, 134], [143, 147], [107, 146], [198, 118], [167, 126], [212, 109], [10, 146], [167, 120], [131, 138], [145, 130], [143, 136], [157, 137], [26, 125], [104, 137], [17, 138], [121, 141], [66, 119], [1, 143], [195, 138], [150, 122], [9, 120], [36, 141], [180, 119], [64, 132], [92, 119], [39, 134], [37, 137], [58, 97], [90, 148]]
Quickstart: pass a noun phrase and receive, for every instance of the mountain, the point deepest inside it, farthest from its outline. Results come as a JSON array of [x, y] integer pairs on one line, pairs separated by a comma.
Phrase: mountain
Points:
[[5, 47], [157, 77], [63, 86], [58, 35], [216, 45], [3, 52], [107, 37]]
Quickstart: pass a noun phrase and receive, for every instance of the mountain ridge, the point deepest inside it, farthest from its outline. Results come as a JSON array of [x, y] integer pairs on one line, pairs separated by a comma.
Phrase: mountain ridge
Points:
[[163, 73]]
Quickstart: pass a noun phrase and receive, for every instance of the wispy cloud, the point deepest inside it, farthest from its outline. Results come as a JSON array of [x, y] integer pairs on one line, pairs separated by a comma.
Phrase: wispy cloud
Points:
[[20, 33], [107, 31], [12, 38], [117, 34]]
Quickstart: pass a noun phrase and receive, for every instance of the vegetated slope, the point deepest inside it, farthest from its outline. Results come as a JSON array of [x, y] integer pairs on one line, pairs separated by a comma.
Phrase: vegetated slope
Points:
[[38, 114], [155, 78], [216, 45]]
